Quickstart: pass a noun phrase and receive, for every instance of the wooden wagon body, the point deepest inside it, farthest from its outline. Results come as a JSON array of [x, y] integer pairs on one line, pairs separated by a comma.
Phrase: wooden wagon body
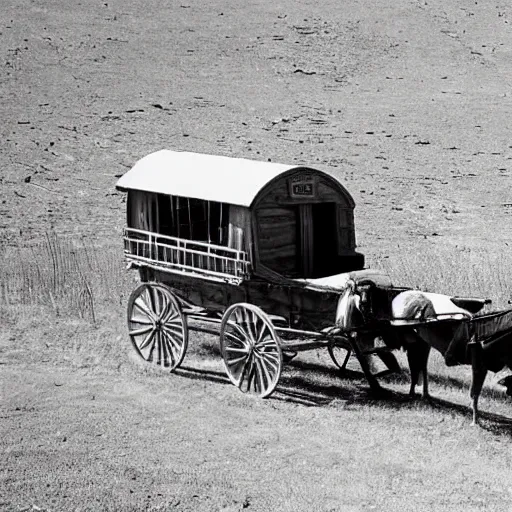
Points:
[[263, 253]]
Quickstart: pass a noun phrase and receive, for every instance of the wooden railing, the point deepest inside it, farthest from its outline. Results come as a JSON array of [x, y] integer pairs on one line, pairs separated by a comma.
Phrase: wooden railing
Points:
[[185, 256]]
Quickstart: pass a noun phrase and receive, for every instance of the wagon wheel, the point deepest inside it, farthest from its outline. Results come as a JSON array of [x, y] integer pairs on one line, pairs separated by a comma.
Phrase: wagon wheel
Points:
[[339, 355], [250, 349], [157, 326]]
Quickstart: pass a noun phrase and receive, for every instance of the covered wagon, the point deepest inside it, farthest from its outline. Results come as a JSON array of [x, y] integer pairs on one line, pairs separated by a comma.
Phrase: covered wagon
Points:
[[262, 253]]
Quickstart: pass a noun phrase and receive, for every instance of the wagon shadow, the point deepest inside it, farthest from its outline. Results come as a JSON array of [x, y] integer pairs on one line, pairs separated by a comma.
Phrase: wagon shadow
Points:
[[330, 371], [201, 374], [311, 392], [394, 398], [301, 384]]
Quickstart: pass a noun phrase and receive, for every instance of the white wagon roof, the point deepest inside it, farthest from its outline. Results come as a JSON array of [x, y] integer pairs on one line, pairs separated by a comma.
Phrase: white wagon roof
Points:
[[208, 177]]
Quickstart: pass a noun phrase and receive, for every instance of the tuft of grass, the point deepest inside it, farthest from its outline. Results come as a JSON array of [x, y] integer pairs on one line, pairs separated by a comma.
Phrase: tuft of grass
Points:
[[69, 277], [459, 271]]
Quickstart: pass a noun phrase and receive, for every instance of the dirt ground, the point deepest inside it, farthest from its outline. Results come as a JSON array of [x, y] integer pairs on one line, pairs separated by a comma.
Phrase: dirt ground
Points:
[[85, 428], [407, 102]]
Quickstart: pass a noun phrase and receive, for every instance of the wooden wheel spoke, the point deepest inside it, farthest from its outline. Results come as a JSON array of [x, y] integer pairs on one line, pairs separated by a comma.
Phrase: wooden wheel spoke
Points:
[[176, 329], [247, 315], [254, 326], [150, 301], [241, 377], [173, 315], [141, 305], [158, 343], [141, 321], [239, 316], [161, 302], [149, 339], [152, 347], [264, 371], [272, 362], [267, 349], [261, 334], [164, 305], [173, 339], [249, 325], [160, 346], [236, 340], [250, 375], [171, 311], [166, 349], [262, 376], [172, 348], [266, 343], [237, 349], [236, 360], [143, 330], [253, 329], [241, 331]]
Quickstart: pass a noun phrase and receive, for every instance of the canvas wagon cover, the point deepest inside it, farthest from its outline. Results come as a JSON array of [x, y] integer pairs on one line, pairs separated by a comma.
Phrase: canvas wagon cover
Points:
[[200, 176]]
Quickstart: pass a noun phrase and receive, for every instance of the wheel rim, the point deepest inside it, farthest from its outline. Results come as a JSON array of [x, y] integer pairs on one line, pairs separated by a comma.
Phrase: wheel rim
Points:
[[157, 326], [250, 349], [339, 355]]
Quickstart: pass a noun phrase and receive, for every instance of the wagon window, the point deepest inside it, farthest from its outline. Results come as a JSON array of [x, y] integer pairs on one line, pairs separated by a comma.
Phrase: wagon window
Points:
[[218, 222], [193, 219]]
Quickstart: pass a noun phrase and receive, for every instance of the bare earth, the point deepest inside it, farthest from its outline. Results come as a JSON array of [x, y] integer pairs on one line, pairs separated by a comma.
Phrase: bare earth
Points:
[[407, 102]]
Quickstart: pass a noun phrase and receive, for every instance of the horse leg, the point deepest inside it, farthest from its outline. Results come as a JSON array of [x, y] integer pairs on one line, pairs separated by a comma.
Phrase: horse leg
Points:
[[425, 352], [412, 359], [375, 387], [417, 357], [479, 374]]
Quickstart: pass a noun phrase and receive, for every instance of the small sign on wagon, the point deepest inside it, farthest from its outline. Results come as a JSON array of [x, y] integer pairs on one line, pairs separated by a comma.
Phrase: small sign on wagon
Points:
[[302, 185]]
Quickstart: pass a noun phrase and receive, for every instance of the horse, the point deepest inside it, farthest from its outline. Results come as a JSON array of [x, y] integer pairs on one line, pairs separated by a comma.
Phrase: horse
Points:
[[484, 342]]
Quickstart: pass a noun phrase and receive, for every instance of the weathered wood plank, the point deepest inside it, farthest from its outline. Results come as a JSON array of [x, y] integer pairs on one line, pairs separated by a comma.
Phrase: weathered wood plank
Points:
[[302, 307]]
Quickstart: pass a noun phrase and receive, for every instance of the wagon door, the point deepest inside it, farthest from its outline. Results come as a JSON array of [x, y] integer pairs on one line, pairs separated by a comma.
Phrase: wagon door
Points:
[[278, 239], [324, 244]]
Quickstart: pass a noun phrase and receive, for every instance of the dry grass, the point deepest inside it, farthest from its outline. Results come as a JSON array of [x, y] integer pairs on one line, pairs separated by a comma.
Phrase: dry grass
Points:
[[69, 277], [460, 271]]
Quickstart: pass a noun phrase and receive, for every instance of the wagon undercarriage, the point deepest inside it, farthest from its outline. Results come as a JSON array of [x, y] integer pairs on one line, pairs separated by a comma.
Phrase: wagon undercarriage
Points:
[[254, 345]]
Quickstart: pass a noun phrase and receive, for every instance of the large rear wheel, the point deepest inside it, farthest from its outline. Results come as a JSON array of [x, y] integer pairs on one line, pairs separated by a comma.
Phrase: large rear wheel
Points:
[[250, 349], [157, 326]]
